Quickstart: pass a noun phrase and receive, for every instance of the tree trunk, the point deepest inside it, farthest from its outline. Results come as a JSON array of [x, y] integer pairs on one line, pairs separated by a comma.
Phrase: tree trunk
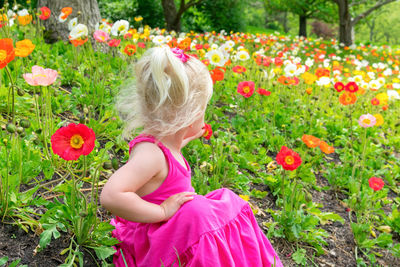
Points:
[[170, 14], [303, 26], [345, 25], [89, 14], [371, 26], [285, 22]]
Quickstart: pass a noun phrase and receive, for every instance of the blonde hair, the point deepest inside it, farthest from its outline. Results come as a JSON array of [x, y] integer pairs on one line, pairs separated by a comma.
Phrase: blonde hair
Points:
[[168, 94]]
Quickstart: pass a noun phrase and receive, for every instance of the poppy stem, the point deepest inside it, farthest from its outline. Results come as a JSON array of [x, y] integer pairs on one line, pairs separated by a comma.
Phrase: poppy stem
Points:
[[13, 94], [283, 189], [363, 155]]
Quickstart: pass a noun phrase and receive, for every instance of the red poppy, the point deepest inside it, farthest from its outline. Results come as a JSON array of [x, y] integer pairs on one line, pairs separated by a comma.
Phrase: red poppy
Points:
[[7, 52], [45, 13], [141, 45], [128, 35], [376, 183], [351, 87], [339, 86], [114, 42], [375, 101], [262, 91], [130, 49], [246, 88], [206, 62], [278, 61], [239, 69], [207, 131], [289, 159], [72, 141]]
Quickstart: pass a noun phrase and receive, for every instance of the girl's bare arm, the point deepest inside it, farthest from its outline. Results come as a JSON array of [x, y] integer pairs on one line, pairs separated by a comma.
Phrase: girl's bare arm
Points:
[[118, 194]]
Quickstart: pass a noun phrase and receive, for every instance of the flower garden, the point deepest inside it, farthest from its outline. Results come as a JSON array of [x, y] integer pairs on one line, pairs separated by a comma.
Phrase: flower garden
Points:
[[306, 130]]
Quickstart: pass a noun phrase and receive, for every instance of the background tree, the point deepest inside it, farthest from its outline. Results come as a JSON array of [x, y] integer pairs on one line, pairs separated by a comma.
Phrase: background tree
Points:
[[173, 15], [87, 12], [305, 9], [348, 18]]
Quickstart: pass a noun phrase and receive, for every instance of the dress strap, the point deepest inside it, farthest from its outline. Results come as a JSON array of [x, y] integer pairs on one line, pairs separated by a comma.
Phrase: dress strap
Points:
[[147, 138]]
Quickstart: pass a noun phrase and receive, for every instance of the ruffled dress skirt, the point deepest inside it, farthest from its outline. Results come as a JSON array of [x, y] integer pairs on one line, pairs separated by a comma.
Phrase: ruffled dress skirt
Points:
[[218, 229]]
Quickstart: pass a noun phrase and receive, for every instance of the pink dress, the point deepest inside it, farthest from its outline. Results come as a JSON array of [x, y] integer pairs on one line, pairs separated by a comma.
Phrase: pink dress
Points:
[[218, 229]]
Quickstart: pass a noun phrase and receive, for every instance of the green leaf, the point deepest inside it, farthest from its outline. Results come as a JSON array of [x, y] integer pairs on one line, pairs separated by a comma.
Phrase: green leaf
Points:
[[3, 260], [45, 237], [14, 263], [300, 256], [104, 252], [384, 240]]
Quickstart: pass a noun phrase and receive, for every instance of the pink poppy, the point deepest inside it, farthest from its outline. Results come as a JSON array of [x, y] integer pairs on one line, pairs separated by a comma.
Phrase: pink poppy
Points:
[[101, 36], [367, 120], [40, 76]]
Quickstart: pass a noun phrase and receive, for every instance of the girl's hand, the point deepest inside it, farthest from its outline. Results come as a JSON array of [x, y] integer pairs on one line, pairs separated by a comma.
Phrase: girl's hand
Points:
[[171, 205]]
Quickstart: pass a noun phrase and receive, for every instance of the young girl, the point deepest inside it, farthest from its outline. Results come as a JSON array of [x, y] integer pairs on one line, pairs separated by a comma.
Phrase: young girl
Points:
[[160, 220]]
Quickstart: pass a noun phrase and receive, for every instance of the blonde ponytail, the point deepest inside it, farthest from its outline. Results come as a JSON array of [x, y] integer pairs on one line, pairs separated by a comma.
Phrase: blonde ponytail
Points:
[[168, 95]]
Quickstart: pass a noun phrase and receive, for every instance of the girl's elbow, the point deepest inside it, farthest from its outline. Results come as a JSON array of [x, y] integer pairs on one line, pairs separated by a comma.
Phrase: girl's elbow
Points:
[[105, 199]]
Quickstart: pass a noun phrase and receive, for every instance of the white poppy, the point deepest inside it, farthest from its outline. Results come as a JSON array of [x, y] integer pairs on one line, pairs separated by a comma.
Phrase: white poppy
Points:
[[120, 27], [79, 31], [72, 23], [243, 55], [159, 40], [393, 94], [216, 57]]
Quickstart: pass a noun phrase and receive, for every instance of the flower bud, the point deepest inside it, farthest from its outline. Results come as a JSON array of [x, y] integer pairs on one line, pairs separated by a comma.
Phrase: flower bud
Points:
[[107, 165], [115, 163], [11, 128], [25, 123], [20, 91]]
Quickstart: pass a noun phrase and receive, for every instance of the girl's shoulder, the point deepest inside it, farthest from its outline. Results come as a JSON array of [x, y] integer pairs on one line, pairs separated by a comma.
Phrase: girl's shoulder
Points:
[[144, 138]]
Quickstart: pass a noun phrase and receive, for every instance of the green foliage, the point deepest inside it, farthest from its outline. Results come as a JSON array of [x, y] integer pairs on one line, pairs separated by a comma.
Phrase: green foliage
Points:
[[152, 13], [116, 10], [215, 15]]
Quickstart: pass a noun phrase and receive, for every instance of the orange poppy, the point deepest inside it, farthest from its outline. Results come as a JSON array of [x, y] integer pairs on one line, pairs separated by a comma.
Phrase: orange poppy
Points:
[[327, 149], [320, 72], [78, 41], [24, 48], [24, 20], [217, 74], [66, 10], [185, 44], [311, 141], [347, 98], [7, 52], [130, 49]]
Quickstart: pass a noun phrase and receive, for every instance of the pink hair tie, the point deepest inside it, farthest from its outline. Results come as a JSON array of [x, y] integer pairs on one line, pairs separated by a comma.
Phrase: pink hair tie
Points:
[[180, 54]]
